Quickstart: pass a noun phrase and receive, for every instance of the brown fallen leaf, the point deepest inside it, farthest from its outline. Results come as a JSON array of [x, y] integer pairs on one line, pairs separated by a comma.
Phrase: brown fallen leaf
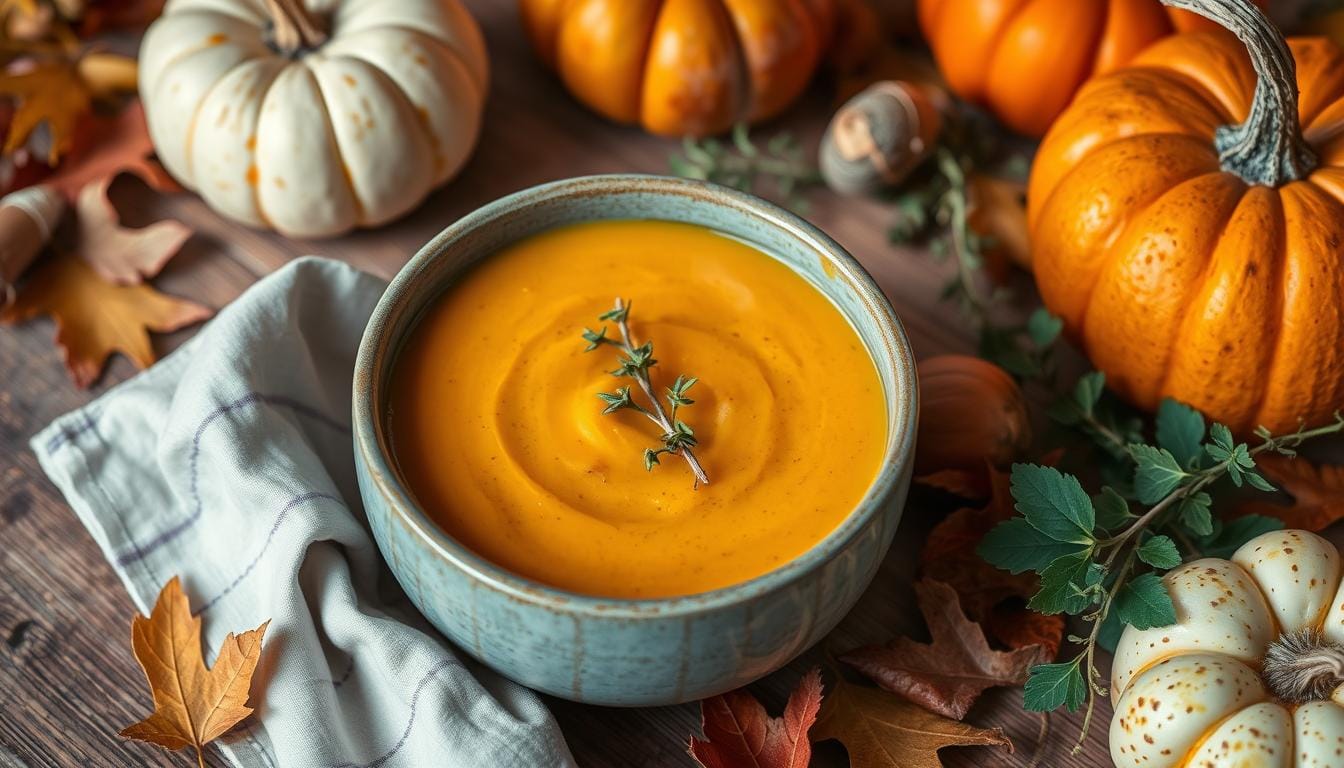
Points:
[[95, 318], [880, 730], [966, 483], [947, 675], [192, 705], [987, 594], [998, 210], [120, 145], [51, 92], [118, 254], [1317, 491], [739, 734]]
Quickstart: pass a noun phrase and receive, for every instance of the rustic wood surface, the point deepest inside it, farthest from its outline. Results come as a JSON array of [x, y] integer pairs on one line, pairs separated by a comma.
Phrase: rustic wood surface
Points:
[[68, 681]]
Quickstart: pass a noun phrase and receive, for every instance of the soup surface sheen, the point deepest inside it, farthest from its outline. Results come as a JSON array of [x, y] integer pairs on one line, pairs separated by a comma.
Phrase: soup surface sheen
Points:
[[497, 428]]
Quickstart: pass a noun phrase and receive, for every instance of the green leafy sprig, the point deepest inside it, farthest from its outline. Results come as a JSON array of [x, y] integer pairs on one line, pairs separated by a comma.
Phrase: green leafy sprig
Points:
[[1098, 559], [742, 164], [635, 361]]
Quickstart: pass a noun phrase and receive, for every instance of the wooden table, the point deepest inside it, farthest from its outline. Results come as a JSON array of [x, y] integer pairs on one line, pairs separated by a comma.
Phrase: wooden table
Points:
[[68, 681]]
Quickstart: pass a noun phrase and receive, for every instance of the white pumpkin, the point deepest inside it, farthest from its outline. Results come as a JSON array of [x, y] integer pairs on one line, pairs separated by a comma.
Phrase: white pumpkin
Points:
[[1252, 673], [313, 116]]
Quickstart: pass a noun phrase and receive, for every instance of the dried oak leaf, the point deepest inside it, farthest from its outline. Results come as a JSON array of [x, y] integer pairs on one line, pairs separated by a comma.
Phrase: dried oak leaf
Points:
[[192, 705], [1317, 491], [50, 92], [118, 254], [95, 318], [120, 144], [988, 594], [739, 734], [880, 730], [947, 675]]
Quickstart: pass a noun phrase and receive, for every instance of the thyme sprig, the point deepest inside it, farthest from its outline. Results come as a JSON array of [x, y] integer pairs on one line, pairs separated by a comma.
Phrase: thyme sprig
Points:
[[1100, 561], [635, 361], [742, 164]]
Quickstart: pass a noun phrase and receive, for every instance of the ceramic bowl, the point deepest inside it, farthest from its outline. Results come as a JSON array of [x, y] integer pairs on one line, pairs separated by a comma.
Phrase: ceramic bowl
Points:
[[624, 652]]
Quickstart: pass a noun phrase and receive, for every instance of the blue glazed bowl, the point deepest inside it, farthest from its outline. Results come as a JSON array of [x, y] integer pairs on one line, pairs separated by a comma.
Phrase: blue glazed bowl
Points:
[[615, 651]]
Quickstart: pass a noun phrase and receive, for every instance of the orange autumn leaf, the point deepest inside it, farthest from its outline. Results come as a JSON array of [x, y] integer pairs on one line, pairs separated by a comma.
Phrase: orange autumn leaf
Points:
[[118, 254], [1317, 491], [95, 318], [120, 145], [880, 730], [50, 92], [193, 705], [739, 734], [946, 675]]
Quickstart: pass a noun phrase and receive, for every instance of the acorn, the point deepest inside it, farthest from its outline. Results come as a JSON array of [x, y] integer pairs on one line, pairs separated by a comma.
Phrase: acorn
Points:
[[880, 135]]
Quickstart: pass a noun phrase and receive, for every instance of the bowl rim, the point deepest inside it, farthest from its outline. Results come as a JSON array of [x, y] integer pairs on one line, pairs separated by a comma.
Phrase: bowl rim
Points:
[[378, 344]]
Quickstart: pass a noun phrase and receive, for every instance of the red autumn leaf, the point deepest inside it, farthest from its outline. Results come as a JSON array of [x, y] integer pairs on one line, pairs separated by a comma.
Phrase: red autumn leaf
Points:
[[739, 734], [947, 675], [966, 483], [118, 144], [117, 254], [1317, 491], [1017, 626]]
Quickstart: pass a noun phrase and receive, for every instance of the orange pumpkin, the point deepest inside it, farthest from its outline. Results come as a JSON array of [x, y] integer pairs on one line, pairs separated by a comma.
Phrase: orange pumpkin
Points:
[[1024, 59], [1190, 231], [682, 67]]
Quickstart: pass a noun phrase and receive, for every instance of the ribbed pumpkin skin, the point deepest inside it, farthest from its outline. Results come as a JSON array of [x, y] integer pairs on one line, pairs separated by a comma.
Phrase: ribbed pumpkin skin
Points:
[[682, 67], [1024, 59], [1181, 280]]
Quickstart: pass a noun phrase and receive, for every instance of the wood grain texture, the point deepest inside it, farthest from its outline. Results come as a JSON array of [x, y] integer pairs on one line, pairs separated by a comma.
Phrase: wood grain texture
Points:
[[68, 681]]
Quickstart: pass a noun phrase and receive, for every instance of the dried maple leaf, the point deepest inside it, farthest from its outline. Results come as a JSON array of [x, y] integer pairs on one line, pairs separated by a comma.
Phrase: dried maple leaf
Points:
[[121, 145], [880, 730], [947, 675], [1317, 491], [192, 705], [116, 253], [987, 594], [739, 734], [50, 92], [95, 318]]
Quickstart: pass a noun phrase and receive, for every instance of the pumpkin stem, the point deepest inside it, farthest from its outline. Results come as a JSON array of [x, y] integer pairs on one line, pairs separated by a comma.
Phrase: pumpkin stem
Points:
[[293, 29], [1303, 666], [1267, 148]]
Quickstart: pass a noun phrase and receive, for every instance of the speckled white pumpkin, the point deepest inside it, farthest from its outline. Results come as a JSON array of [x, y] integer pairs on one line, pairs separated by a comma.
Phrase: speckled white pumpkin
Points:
[[352, 131], [1199, 694]]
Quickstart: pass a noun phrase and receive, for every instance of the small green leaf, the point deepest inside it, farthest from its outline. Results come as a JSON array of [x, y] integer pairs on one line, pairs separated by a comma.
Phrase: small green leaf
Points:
[[650, 458], [1236, 532], [1160, 552], [1258, 482], [1112, 509], [1015, 546], [1054, 503], [1068, 584], [1221, 436], [1194, 514], [1143, 603], [1180, 430], [1051, 686], [1158, 473], [1087, 392], [1043, 327]]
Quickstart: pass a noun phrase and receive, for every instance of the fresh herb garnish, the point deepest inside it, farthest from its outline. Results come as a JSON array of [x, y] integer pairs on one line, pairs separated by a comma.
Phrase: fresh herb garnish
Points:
[[742, 164], [635, 362], [1098, 560]]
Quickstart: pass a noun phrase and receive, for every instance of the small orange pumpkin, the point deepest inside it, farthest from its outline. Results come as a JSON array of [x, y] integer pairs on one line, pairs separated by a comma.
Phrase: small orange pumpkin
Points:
[[1190, 232], [682, 67], [1024, 59]]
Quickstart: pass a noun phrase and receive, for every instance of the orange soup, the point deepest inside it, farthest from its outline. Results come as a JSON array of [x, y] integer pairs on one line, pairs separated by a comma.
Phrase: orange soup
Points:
[[498, 430]]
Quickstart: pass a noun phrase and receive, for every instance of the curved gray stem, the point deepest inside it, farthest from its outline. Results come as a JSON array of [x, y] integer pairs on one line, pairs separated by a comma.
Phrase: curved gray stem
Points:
[[1267, 147]]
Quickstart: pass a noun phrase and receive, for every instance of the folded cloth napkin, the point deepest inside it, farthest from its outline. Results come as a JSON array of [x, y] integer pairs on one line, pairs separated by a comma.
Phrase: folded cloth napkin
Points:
[[230, 464]]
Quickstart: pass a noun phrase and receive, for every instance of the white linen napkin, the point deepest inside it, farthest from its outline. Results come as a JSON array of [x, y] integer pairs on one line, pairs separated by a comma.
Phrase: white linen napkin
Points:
[[230, 464]]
